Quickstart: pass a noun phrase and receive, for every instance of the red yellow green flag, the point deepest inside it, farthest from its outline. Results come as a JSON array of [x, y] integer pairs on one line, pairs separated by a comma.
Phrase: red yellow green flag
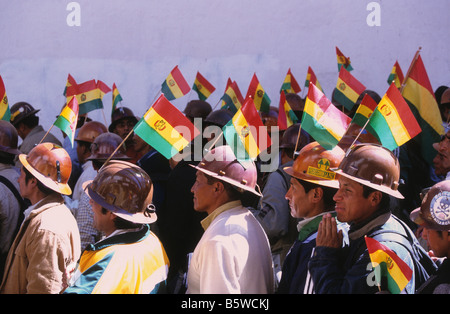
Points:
[[116, 98], [5, 113], [322, 120], [387, 264], [311, 77], [68, 118], [290, 84], [232, 99], [246, 134], [259, 96], [203, 87], [165, 128], [343, 61], [89, 95], [396, 75], [286, 116], [175, 85], [364, 111], [420, 96], [348, 89], [392, 122]]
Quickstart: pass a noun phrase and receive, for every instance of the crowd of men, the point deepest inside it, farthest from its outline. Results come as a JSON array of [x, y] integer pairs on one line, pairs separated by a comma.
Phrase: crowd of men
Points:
[[112, 215]]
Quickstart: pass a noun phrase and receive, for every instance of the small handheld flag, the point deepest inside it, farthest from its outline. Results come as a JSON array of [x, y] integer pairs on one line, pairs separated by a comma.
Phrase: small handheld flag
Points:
[[68, 118], [203, 87], [286, 116], [311, 77], [392, 122], [290, 84], [246, 134], [5, 113], [89, 95], [232, 99], [259, 96], [70, 82], [175, 85], [343, 61], [396, 75], [165, 128], [116, 98], [387, 264], [348, 89], [322, 120]]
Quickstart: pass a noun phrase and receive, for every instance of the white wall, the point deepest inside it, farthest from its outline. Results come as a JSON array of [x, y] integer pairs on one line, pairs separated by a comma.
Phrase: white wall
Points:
[[135, 43]]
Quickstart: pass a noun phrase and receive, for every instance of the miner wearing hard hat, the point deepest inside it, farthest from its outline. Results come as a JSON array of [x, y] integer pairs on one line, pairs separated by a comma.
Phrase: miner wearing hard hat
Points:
[[130, 259], [369, 175], [48, 240], [233, 255]]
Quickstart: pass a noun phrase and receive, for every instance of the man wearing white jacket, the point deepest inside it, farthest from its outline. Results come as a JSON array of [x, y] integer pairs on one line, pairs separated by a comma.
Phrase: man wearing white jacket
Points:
[[233, 255]]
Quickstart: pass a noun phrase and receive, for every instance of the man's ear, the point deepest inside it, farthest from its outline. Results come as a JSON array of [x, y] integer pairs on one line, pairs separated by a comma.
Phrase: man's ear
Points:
[[375, 198], [317, 194]]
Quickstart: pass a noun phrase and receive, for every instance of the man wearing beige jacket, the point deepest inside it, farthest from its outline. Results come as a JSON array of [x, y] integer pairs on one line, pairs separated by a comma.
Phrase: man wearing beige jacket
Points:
[[48, 240]]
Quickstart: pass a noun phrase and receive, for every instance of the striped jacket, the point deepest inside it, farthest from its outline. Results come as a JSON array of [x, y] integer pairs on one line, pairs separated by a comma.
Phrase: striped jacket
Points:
[[127, 263]]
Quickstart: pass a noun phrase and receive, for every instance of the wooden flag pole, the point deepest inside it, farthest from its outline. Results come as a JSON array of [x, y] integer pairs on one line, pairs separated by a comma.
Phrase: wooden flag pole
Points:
[[296, 143], [46, 134], [118, 147], [410, 68]]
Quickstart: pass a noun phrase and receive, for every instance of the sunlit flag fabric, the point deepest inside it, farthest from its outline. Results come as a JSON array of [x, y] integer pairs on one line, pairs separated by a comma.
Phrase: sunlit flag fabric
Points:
[[246, 134], [203, 87], [396, 75], [311, 77], [259, 96], [175, 85], [290, 84], [5, 113], [89, 95], [420, 97], [387, 264], [165, 128], [348, 89], [364, 111], [392, 122], [343, 61], [322, 120], [286, 116], [68, 118], [232, 99], [116, 98]]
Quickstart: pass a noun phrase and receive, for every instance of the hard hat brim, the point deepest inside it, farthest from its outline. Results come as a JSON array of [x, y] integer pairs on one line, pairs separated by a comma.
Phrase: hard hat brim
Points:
[[62, 188], [327, 183]]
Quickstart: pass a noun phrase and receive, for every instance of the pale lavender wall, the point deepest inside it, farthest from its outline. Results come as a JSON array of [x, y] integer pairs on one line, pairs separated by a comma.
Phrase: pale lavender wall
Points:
[[135, 43]]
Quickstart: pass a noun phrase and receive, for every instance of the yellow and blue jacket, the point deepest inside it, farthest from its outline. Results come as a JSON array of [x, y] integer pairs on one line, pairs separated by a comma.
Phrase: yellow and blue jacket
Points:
[[128, 263]]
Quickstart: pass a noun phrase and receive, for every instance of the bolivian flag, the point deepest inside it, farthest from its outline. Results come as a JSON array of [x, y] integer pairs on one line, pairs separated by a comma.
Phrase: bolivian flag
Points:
[[259, 96], [396, 75], [387, 264], [68, 118], [232, 99], [392, 122], [5, 113], [322, 120], [348, 89], [246, 134], [290, 84], [203, 87], [311, 77], [89, 95], [343, 61], [420, 97], [165, 128], [70, 82], [286, 116], [364, 111], [116, 98], [175, 85]]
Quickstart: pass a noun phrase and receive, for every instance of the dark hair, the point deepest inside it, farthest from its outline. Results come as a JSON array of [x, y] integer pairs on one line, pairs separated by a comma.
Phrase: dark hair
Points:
[[385, 199], [6, 158], [30, 121], [231, 191], [328, 192], [121, 223], [45, 190]]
